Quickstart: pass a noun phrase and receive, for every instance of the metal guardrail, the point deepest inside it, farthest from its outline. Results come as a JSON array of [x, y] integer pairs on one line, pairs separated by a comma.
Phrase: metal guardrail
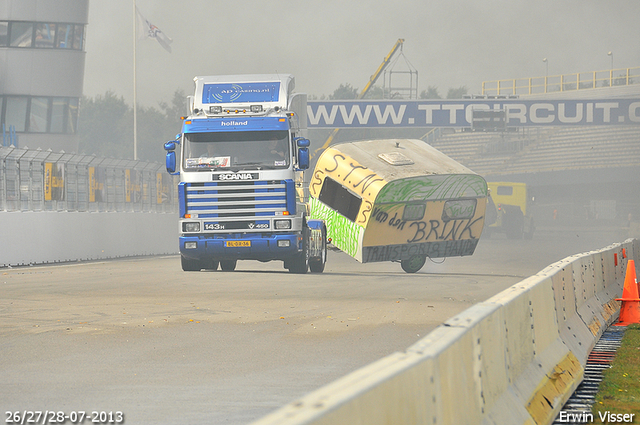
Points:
[[42, 180], [562, 83]]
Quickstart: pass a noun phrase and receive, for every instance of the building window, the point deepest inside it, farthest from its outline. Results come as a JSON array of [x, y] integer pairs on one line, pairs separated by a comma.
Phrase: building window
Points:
[[58, 110], [45, 114], [41, 35], [38, 115], [45, 35], [21, 34], [71, 115], [4, 34], [15, 112], [64, 36], [78, 37]]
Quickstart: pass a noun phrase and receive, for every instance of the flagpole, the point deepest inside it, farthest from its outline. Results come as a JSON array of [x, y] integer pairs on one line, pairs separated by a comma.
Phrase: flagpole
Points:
[[135, 100]]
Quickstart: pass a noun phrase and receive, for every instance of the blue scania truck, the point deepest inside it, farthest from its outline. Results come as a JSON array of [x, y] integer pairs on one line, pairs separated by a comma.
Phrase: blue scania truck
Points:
[[241, 158]]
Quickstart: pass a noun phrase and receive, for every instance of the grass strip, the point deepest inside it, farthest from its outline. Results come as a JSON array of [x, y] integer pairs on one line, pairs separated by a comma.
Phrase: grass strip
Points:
[[619, 391]]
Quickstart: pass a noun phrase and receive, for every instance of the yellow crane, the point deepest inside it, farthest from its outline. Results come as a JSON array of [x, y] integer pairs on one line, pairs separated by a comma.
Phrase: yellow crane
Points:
[[364, 91]]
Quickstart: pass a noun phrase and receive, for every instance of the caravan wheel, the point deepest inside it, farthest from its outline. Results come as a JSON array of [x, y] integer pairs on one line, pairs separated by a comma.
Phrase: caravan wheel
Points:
[[413, 264]]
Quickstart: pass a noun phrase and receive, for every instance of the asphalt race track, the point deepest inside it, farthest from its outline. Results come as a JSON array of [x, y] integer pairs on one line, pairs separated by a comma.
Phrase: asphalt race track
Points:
[[163, 346]]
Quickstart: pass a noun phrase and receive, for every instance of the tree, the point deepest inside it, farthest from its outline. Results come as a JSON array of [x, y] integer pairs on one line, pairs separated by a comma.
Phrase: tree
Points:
[[457, 93], [105, 125], [430, 93], [152, 133], [178, 107], [345, 91], [374, 92]]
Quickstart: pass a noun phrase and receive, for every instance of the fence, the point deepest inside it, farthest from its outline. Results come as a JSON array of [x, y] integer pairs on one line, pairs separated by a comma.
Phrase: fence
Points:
[[39, 180], [560, 83]]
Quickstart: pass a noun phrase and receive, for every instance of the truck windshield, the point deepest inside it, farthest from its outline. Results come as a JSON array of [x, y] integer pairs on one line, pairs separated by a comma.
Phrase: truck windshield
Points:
[[236, 150]]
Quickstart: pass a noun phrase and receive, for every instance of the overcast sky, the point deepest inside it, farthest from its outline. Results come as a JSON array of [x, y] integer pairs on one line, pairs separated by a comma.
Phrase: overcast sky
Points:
[[325, 43]]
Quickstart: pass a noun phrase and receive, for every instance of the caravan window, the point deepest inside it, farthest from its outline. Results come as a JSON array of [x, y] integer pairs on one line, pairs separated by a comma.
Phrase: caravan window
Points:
[[337, 197], [459, 209], [413, 212]]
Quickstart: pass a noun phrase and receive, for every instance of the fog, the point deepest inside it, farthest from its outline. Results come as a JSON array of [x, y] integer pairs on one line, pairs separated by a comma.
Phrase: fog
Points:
[[451, 43]]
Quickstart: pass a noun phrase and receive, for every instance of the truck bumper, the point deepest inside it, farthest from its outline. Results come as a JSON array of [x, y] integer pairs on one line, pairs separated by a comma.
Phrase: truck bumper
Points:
[[279, 246]]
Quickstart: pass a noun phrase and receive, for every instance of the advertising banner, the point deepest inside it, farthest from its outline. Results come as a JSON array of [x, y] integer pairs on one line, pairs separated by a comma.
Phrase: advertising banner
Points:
[[460, 113], [163, 185], [53, 181], [133, 192], [97, 179]]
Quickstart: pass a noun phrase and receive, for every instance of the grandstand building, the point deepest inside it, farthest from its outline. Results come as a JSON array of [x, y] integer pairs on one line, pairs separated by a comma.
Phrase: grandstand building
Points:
[[42, 57], [577, 174]]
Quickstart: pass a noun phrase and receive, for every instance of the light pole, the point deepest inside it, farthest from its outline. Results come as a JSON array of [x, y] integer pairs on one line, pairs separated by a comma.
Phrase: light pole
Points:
[[611, 70], [546, 76]]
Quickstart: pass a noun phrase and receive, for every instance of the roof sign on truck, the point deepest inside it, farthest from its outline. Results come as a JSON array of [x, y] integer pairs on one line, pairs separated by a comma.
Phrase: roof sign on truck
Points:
[[240, 93]]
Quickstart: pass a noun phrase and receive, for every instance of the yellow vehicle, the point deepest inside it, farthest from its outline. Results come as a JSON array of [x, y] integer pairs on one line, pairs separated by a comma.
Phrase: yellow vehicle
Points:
[[512, 207], [397, 200]]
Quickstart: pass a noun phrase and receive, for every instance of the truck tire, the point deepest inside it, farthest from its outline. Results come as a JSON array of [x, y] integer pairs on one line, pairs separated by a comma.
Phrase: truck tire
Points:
[[514, 223], [228, 265], [300, 263], [189, 265], [514, 232], [413, 264], [532, 228], [212, 265], [316, 265]]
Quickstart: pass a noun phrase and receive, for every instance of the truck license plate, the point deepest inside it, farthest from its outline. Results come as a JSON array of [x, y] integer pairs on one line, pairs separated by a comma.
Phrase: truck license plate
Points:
[[233, 244]]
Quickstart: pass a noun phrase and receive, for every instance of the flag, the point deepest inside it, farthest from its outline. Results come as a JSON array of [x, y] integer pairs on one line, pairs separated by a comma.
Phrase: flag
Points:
[[147, 30]]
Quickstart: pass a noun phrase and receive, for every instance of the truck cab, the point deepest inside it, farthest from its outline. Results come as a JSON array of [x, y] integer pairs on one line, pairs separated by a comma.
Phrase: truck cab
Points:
[[242, 153], [511, 204]]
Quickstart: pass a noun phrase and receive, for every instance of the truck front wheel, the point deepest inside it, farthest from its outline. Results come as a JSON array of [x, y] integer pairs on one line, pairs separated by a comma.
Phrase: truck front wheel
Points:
[[300, 263], [189, 265], [228, 265], [212, 265]]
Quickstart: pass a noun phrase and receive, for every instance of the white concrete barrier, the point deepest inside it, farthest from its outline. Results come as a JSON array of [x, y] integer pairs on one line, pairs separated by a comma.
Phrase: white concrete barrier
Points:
[[49, 237], [513, 359]]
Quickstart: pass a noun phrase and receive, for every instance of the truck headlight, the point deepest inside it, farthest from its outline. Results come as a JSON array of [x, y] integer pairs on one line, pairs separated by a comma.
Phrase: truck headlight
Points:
[[283, 243], [282, 224], [190, 245], [191, 227]]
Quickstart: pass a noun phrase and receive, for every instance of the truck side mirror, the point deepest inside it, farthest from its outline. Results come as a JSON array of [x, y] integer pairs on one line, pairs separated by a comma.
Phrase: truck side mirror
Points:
[[303, 143], [171, 162], [303, 158], [170, 146]]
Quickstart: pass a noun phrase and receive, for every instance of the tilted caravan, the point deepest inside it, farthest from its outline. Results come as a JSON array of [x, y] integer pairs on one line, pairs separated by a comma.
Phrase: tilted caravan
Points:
[[397, 200]]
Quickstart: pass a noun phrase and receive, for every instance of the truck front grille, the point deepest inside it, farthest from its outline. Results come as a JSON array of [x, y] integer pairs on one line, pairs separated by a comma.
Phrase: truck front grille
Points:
[[236, 199]]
